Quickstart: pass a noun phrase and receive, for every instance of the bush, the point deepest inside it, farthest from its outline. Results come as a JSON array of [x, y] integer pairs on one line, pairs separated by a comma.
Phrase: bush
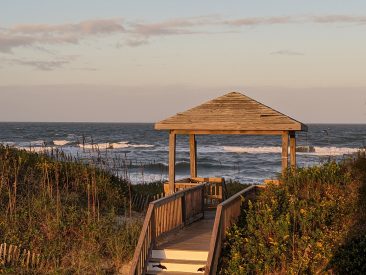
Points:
[[299, 225]]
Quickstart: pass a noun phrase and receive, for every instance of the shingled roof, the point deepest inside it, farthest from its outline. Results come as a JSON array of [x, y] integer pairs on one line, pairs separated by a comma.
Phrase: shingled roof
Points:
[[231, 112]]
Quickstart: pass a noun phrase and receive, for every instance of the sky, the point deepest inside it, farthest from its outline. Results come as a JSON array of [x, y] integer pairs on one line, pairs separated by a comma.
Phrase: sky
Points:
[[141, 61]]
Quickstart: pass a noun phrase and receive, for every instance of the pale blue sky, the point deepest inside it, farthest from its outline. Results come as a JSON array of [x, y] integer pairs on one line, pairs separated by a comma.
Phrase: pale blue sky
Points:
[[90, 55]]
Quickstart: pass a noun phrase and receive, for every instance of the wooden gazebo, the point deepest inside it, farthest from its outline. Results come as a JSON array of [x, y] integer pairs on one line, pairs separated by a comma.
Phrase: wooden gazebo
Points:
[[233, 113]]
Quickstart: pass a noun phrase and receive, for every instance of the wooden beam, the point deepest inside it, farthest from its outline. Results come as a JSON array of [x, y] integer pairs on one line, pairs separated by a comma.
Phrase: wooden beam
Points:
[[172, 149], [293, 149], [284, 151], [193, 155], [227, 132]]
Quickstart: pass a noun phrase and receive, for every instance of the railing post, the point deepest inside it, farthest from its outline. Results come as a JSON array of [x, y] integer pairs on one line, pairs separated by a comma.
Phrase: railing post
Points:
[[183, 208], [153, 229], [172, 149], [203, 201]]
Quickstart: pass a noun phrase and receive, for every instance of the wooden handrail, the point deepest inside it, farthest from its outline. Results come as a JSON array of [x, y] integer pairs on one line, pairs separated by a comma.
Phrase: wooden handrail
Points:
[[212, 180], [215, 189], [227, 213], [163, 216]]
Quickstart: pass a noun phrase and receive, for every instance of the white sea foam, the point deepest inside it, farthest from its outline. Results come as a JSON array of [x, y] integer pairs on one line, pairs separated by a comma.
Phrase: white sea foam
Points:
[[43, 149], [141, 145], [334, 151], [253, 150], [320, 151], [114, 145], [7, 143], [36, 143], [60, 142]]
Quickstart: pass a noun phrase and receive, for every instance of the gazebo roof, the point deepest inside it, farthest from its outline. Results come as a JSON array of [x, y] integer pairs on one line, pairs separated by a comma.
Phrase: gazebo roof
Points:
[[231, 112]]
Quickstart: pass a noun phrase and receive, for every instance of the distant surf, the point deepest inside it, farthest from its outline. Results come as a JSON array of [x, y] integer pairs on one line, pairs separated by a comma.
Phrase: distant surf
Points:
[[313, 150], [144, 152]]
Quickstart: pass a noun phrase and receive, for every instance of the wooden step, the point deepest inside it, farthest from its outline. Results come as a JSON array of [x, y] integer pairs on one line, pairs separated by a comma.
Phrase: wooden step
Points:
[[180, 266], [162, 261], [195, 255], [170, 273]]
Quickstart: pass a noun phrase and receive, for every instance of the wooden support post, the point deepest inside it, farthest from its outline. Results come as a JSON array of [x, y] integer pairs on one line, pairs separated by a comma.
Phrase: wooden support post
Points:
[[153, 229], [284, 151], [193, 155], [172, 149], [293, 149], [183, 204]]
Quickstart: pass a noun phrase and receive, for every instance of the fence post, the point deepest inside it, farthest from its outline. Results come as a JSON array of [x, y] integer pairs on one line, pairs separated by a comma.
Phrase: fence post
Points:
[[203, 201], [184, 208], [153, 229]]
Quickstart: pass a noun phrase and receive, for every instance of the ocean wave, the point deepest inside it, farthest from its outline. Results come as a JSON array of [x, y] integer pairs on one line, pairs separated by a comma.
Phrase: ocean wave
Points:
[[141, 145], [32, 143], [253, 150], [336, 151], [60, 142], [311, 150], [105, 145], [36, 149], [113, 145]]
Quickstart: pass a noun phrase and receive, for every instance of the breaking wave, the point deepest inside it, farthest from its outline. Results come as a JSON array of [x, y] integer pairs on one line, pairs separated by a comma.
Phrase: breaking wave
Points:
[[60, 142], [114, 145], [311, 150]]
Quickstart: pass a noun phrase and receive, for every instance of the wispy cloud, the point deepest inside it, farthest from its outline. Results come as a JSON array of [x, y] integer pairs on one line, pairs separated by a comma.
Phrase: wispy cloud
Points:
[[286, 52], [30, 35], [137, 33], [320, 19], [252, 21], [135, 42], [177, 26], [338, 19], [88, 27], [43, 65]]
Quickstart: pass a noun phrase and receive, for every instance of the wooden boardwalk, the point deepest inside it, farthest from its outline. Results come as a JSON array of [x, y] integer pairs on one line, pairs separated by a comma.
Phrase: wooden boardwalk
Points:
[[196, 236]]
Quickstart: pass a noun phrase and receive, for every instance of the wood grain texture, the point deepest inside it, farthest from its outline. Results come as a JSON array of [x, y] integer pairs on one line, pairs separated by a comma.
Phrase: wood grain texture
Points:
[[293, 149], [284, 151], [231, 112], [172, 151], [193, 155], [227, 213], [165, 216]]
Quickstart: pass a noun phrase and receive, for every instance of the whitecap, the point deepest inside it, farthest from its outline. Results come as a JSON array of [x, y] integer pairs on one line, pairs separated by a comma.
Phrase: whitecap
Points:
[[253, 150], [60, 142], [334, 151], [105, 145], [317, 150], [141, 145]]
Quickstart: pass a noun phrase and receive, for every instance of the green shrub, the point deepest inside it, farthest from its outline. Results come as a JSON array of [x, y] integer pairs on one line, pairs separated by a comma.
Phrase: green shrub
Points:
[[297, 226]]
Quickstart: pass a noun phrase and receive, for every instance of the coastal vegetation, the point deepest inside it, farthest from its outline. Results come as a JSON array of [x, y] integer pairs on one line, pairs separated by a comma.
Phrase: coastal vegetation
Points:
[[313, 222], [72, 214], [82, 219]]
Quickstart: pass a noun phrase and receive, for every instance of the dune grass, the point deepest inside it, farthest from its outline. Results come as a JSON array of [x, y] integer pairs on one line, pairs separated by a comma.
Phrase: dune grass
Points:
[[69, 212]]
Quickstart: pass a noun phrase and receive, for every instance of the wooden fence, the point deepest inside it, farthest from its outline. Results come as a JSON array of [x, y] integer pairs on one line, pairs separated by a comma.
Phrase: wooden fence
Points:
[[140, 202], [215, 191], [227, 214], [13, 255], [166, 215]]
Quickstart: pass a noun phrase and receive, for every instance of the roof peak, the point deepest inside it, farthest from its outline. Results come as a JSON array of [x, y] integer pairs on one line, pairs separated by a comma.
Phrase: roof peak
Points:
[[231, 111]]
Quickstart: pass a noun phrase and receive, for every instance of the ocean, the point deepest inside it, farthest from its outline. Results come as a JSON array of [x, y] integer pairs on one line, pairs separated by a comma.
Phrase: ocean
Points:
[[137, 151]]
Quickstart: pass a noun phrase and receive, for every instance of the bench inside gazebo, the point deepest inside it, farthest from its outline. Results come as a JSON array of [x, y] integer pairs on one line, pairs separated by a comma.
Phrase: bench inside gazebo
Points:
[[183, 232]]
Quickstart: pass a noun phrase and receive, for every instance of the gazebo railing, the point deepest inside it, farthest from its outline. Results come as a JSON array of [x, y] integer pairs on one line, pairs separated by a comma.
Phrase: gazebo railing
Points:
[[215, 190], [164, 216]]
